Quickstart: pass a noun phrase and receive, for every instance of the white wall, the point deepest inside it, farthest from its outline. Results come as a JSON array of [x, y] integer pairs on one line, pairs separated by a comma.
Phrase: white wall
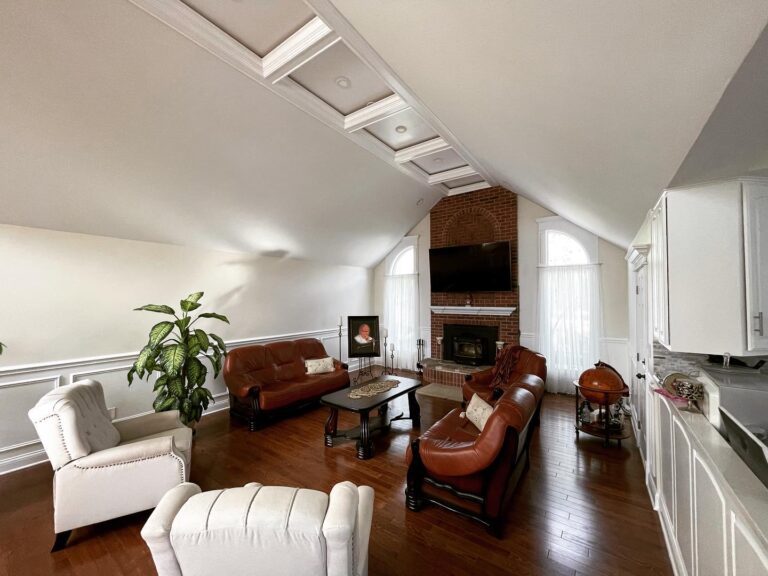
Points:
[[67, 313]]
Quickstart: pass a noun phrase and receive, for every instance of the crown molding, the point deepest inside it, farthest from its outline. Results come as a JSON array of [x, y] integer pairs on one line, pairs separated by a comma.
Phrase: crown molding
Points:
[[418, 150], [309, 41], [375, 112], [454, 174]]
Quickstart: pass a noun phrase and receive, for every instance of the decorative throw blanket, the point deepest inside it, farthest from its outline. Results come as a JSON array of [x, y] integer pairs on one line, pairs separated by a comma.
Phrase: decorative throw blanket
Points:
[[506, 362], [373, 388]]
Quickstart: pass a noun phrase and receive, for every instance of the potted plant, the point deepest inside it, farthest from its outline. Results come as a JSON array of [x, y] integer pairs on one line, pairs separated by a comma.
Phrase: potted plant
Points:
[[174, 351]]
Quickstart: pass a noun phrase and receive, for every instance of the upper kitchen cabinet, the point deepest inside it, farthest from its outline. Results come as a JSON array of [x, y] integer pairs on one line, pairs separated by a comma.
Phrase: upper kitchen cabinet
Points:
[[709, 268]]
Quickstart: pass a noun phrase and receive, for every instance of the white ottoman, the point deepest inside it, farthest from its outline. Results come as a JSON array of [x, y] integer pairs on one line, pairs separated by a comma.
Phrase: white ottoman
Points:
[[259, 529]]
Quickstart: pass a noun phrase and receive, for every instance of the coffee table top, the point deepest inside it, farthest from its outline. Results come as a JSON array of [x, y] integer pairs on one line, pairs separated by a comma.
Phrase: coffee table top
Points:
[[341, 399]]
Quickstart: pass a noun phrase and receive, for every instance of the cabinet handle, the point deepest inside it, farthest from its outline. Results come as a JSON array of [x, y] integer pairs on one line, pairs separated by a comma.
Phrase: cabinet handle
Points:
[[759, 318]]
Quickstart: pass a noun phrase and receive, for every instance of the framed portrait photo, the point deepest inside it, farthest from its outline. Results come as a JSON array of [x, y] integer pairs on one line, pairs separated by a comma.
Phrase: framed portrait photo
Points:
[[363, 336]]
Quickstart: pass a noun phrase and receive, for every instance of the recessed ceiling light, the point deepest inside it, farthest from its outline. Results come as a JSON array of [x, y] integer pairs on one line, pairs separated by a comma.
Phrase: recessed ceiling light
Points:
[[420, 201], [401, 129], [343, 82], [438, 160]]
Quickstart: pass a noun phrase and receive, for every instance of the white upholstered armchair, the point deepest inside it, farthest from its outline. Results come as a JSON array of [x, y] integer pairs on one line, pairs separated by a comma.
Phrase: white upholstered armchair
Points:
[[104, 470], [259, 529]]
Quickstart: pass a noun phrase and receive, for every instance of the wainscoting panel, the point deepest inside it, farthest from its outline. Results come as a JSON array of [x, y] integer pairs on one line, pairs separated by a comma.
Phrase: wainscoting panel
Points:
[[22, 386]]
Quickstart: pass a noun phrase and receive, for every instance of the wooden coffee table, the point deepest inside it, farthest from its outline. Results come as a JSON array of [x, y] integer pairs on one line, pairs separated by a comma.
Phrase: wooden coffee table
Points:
[[340, 400]]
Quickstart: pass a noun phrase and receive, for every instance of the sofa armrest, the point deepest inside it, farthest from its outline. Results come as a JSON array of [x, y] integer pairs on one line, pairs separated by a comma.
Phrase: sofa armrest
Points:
[[364, 521], [129, 453], [338, 364], [481, 378], [157, 531], [339, 529], [148, 425]]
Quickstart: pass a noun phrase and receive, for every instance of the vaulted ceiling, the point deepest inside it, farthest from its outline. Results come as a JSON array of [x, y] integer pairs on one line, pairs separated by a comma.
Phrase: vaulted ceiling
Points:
[[325, 130]]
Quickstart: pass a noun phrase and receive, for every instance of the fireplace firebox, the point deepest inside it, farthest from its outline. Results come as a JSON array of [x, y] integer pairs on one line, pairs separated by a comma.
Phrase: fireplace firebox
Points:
[[472, 345]]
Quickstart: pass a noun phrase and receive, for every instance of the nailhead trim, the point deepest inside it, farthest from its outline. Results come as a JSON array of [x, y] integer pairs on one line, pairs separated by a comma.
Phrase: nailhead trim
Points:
[[180, 460], [60, 430]]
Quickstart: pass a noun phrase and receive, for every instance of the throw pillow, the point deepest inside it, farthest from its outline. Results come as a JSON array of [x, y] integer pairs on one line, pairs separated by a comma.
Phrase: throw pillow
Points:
[[319, 365], [478, 411]]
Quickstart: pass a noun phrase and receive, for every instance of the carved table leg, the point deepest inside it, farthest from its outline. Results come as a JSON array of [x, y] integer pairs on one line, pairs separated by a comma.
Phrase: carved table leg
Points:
[[414, 409], [364, 444], [331, 426]]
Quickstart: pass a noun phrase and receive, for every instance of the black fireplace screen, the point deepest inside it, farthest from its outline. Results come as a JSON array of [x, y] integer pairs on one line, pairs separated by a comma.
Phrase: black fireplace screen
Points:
[[474, 345]]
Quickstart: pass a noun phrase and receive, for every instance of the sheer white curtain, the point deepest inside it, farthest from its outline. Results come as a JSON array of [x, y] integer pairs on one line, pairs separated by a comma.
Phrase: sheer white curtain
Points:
[[570, 322], [401, 317]]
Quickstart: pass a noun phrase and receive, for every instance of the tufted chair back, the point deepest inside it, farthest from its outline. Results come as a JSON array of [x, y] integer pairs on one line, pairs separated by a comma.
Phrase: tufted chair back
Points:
[[73, 421]]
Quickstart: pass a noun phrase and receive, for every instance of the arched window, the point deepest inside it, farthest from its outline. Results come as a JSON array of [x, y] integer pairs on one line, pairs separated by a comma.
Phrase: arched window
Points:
[[404, 262], [564, 250]]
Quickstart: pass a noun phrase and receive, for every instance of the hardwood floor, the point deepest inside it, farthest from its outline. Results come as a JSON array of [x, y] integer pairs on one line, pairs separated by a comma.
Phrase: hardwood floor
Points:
[[580, 509]]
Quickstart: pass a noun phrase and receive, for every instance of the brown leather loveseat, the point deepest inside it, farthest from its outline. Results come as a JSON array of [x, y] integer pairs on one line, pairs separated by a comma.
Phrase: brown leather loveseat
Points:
[[271, 379], [474, 473]]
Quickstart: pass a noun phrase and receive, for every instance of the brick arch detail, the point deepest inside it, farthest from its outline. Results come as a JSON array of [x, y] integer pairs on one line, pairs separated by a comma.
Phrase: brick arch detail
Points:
[[473, 225]]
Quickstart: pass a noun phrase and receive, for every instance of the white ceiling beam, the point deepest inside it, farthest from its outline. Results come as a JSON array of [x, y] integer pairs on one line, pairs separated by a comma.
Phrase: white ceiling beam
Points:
[[360, 46], [454, 174], [375, 112], [468, 188], [419, 150], [187, 22], [309, 41]]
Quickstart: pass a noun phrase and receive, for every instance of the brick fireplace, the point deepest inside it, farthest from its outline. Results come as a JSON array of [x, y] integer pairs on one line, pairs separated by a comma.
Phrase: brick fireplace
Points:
[[488, 215]]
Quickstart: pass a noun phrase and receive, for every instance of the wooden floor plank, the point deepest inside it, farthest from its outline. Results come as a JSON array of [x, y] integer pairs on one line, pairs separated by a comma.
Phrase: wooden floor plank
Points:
[[580, 509]]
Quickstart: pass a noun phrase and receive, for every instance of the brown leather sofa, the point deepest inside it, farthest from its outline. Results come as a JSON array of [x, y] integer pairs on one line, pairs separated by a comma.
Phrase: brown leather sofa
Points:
[[474, 473], [270, 380], [529, 371]]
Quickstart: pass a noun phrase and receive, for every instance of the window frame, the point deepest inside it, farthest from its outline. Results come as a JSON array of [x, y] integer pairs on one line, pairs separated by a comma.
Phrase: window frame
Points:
[[587, 240], [407, 243]]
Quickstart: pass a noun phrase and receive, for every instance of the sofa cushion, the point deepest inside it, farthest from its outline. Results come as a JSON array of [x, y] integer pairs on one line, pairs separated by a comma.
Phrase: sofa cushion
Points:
[[275, 530], [305, 388], [310, 348], [286, 361]]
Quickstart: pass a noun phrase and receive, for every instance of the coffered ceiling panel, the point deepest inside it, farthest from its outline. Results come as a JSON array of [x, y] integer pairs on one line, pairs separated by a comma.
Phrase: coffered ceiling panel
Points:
[[390, 130], [459, 182], [341, 79], [440, 161], [259, 25]]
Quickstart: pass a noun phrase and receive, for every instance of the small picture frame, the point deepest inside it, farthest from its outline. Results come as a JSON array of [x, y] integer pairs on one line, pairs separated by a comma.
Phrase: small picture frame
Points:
[[363, 336]]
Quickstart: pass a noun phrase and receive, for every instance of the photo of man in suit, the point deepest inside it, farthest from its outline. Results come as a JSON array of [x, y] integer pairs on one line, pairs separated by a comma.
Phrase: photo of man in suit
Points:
[[366, 334]]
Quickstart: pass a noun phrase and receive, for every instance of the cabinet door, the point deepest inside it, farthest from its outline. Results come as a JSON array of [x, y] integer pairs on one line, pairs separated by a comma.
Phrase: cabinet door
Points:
[[683, 496], [709, 521], [666, 462], [651, 434], [748, 555], [756, 262], [659, 281]]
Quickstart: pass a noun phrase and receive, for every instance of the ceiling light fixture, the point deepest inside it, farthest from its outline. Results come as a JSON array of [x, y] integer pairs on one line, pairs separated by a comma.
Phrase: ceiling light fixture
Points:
[[401, 129], [420, 201], [438, 160], [343, 82]]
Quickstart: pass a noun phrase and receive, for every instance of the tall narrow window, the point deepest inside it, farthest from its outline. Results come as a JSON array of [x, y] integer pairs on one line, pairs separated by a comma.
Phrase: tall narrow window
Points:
[[569, 302], [401, 302]]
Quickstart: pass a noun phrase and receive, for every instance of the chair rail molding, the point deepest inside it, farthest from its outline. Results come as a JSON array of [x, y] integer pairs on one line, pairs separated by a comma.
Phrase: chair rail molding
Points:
[[22, 386]]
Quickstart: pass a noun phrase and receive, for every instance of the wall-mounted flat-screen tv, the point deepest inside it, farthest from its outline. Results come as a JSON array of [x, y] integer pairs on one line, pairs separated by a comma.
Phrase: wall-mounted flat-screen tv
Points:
[[474, 268]]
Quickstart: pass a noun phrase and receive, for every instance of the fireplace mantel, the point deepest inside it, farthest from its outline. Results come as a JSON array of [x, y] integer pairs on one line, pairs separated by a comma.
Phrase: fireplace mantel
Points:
[[474, 310]]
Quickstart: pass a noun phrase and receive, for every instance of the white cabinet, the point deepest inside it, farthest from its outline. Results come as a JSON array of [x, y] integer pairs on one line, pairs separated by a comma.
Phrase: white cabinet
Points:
[[748, 558], [683, 495], [756, 263], [709, 521], [709, 268]]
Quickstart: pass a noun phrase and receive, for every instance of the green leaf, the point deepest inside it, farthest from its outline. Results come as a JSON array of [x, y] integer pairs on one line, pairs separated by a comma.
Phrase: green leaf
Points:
[[160, 383], [2, 347], [188, 306], [141, 361], [176, 388], [214, 315], [195, 296], [193, 345], [202, 338], [159, 332], [173, 358], [196, 372], [220, 342], [215, 362], [162, 308], [159, 401], [183, 323], [131, 372], [166, 404]]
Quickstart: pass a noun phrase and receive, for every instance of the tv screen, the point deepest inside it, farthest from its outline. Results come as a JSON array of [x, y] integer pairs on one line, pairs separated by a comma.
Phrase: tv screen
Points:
[[475, 268]]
